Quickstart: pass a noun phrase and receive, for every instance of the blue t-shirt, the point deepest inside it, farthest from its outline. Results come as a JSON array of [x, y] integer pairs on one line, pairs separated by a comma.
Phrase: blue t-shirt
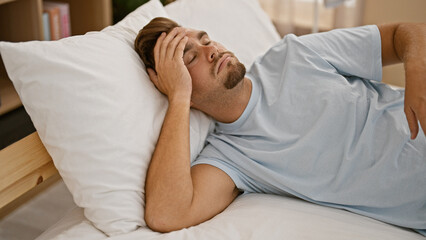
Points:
[[319, 125]]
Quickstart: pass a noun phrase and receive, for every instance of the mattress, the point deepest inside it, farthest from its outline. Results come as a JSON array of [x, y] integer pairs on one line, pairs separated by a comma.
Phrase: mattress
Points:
[[251, 216]]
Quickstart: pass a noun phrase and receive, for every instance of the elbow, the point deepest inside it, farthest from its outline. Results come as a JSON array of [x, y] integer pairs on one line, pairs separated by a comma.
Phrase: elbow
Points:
[[159, 224], [160, 221]]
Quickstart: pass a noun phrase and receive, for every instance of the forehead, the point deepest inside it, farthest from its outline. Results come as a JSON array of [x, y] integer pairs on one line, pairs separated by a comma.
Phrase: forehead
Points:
[[194, 33]]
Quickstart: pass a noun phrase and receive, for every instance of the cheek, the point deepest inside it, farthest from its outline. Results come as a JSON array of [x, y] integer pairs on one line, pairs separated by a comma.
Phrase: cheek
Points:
[[194, 74], [199, 73], [195, 77], [221, 47], [201, 80]]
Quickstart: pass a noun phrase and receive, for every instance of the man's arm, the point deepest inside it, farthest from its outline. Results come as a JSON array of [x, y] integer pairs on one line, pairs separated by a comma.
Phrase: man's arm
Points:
[[176, 195], [406, 42]]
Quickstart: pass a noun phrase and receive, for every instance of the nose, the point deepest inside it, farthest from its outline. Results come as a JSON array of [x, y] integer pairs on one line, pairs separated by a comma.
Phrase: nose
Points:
[[211, 52]]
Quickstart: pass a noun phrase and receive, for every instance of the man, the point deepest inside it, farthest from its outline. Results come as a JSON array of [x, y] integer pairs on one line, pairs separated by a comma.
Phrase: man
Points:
[[305, 121]]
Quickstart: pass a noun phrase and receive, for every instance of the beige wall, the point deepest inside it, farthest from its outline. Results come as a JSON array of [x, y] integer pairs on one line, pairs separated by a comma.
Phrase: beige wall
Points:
[[386, 11]]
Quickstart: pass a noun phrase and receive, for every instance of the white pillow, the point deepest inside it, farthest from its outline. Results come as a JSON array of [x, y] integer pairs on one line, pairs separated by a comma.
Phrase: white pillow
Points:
[[240, 25], [98, 115]]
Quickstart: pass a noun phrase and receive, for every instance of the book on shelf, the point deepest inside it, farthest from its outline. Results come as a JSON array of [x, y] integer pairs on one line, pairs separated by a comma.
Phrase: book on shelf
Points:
[[54, 21], [60, 18], [46, 26]]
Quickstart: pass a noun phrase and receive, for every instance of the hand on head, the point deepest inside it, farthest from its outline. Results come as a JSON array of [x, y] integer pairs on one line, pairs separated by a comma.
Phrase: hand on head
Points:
[[171, 76]]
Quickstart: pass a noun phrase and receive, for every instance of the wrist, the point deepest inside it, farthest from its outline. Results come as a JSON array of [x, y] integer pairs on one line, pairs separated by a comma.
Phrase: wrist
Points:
[[180, 99], [415, 70]]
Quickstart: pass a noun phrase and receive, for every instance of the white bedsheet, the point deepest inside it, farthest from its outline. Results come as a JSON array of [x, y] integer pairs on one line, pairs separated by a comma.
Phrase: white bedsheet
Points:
[[252, 216]]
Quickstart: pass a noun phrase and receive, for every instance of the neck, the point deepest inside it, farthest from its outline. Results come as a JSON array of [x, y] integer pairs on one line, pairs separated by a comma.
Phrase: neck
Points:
[[228, 107]]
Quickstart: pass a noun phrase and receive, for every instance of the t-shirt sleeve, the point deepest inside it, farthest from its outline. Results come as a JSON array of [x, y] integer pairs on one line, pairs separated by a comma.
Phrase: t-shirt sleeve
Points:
[[352, 51]]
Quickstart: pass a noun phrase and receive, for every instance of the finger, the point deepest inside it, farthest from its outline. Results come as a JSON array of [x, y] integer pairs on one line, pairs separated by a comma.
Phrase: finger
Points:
[[157, 48], [180, 48], [164, 45], [412, 122], [171, 49], [152, 76]]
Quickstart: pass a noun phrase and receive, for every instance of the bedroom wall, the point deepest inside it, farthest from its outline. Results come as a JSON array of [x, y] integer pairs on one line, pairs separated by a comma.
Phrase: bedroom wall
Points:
[[386, 11]]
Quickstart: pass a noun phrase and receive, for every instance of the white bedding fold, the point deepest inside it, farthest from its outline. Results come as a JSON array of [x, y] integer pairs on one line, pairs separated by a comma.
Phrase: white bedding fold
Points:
[[252, 216]]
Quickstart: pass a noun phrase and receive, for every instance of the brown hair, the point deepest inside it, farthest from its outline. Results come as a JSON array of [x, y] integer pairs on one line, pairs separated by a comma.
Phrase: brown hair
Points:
[[147, 37]]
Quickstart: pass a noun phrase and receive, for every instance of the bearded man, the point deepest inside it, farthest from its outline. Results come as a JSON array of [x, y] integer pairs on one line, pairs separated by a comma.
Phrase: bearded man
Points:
[[309, 119]]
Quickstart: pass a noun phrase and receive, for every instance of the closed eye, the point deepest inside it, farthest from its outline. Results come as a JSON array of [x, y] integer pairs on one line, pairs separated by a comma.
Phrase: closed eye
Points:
[[192, 59], [189, 58]]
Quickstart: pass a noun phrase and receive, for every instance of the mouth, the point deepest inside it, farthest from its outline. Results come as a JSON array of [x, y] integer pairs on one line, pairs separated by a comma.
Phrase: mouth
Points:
[[222, 62]]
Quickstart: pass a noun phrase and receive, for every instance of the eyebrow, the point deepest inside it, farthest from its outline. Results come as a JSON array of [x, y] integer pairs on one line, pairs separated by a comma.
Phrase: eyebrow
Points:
[[201, 34], [188, 46]]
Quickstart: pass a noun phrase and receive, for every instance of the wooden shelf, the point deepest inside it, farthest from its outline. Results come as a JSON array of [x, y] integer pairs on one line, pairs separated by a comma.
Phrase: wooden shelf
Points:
[[9, 99], [21, 20], [89, 15], [5, 1], [8, 96]]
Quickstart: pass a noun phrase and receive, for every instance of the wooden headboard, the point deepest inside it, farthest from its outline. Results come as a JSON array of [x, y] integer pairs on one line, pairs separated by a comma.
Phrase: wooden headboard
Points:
[[24, 165]]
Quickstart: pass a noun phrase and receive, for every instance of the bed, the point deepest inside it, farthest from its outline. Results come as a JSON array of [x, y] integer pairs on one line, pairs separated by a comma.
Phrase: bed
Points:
[[98, 117]]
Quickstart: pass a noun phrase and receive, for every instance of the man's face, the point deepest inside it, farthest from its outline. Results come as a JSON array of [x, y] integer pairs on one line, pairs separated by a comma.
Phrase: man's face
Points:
[[210, 64]]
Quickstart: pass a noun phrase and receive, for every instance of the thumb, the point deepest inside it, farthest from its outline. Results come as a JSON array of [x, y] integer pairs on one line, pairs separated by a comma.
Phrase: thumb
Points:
[[152, 76], [412, 122]]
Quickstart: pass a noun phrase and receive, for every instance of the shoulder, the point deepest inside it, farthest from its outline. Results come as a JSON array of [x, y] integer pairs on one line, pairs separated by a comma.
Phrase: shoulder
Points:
[[341, 37]]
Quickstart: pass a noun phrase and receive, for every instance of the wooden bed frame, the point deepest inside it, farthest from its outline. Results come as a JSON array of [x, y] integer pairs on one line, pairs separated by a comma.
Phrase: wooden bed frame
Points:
[[24, 165]]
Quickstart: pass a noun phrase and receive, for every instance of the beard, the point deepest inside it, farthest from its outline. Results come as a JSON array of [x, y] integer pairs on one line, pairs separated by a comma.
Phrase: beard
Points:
[[235, 75], [236, 71]]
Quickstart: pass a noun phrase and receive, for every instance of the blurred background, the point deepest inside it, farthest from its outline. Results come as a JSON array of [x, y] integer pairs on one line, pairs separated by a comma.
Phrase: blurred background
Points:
[[307, 16], [123, 7]]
